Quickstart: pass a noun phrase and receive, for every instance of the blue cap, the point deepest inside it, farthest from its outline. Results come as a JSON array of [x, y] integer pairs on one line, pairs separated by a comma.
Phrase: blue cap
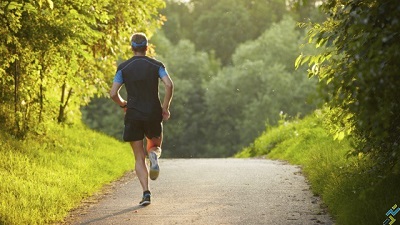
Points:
[[137, 45]]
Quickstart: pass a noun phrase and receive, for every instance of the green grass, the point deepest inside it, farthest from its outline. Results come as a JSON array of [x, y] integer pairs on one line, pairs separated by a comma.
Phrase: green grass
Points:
[[352, 190], [43, 177]]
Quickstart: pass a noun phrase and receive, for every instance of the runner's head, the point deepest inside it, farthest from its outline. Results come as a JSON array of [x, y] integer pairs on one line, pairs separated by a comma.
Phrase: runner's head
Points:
[[139, 42]]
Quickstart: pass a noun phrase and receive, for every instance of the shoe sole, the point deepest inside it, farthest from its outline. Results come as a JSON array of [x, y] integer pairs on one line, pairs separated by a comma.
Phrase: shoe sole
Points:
[[145, 203], [154, 167], [154, 172]]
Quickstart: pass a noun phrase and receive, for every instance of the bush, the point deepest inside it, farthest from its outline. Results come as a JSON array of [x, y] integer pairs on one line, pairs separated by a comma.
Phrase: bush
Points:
[[354, 192]]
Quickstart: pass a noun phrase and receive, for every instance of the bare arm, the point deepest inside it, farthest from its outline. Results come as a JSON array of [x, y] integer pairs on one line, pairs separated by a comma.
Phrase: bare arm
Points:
[[169, 92], [115, 96]]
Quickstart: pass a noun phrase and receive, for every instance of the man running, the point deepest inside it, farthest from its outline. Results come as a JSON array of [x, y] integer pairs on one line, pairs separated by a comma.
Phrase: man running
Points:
[[144, 111]]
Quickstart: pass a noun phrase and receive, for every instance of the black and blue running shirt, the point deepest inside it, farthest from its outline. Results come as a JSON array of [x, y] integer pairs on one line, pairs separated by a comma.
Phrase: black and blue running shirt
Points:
[[141, 75]]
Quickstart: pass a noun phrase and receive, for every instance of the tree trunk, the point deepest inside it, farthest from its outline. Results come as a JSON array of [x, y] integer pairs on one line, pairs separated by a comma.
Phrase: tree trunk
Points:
[[61, 114], [41, 93], [61, 111], [16, 94]]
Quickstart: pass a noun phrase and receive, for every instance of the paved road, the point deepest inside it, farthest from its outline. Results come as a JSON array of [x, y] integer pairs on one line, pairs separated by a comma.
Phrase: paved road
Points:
[[211, 191]]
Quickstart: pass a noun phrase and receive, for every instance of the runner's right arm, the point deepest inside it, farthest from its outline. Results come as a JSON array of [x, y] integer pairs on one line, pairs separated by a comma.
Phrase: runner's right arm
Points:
[[169, 92]]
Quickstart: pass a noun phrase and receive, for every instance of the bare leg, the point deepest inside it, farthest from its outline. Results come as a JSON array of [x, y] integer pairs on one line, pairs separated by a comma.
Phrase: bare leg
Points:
[[154, 142], [154, 146], [140, 164]]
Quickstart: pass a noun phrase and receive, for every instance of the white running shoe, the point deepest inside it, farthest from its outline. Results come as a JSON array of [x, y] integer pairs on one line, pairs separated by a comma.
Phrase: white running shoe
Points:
[[154, 167]]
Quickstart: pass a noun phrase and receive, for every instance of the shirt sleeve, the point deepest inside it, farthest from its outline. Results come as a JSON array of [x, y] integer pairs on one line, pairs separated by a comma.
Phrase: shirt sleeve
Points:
[[118, 77], [162, 72]]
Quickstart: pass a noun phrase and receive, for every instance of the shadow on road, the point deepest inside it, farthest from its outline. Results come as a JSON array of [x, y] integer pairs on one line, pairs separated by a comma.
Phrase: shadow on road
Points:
[[106, 217]]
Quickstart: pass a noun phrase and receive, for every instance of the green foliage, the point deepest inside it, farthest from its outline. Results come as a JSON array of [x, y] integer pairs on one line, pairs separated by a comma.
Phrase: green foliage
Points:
[[216, 111], [353, 192], [191, 71], [260, 84], [220, 26], [43, 177], [359, 71], [306, 10], [228, 18], [103, 115], [58, 55], [221, 110]]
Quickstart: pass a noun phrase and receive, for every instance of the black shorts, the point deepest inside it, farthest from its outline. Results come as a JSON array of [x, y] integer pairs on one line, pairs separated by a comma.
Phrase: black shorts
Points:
[[136, 130]]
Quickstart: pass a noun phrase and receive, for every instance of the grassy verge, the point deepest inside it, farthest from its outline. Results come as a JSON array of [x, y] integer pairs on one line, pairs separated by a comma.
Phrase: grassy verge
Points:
[[42, 178], [353, 192]]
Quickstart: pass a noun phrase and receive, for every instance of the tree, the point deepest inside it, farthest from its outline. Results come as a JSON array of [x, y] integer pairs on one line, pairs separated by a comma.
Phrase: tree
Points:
[[261, 83], [57, 55], [220, 26], [231, 26], [217, 111], [179, 21], [360, 71], [306, 10], [190, 71]]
